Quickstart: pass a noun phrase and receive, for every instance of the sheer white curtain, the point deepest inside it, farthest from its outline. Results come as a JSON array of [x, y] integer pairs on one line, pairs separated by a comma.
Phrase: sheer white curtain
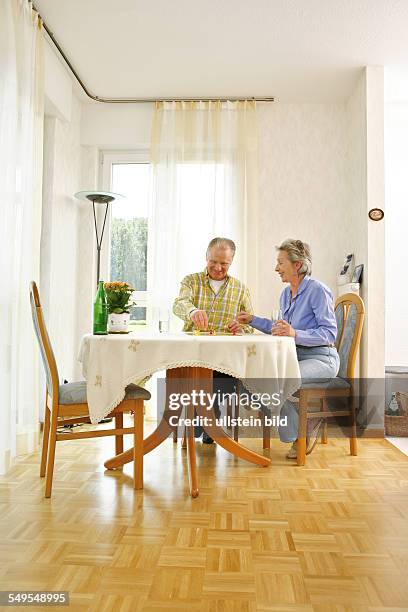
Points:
[[21, 129], [204, 158]]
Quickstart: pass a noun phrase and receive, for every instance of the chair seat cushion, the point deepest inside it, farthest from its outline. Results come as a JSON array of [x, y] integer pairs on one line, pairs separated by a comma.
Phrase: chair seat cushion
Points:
[[75, 393], [135, 392], [333, 383]]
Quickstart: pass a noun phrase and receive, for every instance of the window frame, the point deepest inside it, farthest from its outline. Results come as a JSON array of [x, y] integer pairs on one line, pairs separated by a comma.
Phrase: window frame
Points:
[[108, 159]]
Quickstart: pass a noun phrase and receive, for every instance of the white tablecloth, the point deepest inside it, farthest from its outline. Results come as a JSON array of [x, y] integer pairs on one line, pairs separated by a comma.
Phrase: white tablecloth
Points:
[[110, 363]]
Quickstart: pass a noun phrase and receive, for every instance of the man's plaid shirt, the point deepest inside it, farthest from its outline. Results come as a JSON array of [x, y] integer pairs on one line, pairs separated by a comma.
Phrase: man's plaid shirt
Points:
[[196, 292]]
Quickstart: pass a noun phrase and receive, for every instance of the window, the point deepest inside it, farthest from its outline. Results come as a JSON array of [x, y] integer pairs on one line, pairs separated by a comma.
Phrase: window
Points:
[[129, 175], [196, 187]]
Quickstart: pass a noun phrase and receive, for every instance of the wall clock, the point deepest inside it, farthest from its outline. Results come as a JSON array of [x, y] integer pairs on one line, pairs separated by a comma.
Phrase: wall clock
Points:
[[376, 214]]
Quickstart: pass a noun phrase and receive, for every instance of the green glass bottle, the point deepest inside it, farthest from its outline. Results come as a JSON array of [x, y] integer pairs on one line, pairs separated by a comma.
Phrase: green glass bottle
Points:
[[100, 312]]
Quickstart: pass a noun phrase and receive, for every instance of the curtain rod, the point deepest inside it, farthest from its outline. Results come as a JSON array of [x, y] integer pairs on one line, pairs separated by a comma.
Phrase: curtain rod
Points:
[[135, 100]]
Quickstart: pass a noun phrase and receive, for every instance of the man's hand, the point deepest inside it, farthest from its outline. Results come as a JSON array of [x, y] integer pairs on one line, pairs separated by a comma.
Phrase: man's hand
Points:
[[235, 327], [200, 319], [243, 318], [282, 328]]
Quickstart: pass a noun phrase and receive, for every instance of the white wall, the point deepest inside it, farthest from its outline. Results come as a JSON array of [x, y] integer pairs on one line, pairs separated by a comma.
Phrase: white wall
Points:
[[396, 233], [62, 167], [67, 241], [375, 283], [357, 184], [365, 134], [303, 189], [86, 249], [321, 171], [57, 86], [365, 119], [116, 126]]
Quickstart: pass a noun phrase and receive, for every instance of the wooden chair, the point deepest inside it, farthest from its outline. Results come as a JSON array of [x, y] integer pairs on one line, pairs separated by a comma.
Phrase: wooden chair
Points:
[[67, 405], [350, 312]]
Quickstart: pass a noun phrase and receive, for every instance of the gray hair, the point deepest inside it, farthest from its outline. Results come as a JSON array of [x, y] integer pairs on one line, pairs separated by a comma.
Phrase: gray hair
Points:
[[298, 251], [223, 243]]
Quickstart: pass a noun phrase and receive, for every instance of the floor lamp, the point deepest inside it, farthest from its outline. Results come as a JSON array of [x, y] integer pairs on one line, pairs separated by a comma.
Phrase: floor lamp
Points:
[[98, 197]]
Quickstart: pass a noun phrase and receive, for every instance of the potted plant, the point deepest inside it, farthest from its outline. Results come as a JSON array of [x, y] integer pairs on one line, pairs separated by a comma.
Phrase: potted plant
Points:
[[120, 300]]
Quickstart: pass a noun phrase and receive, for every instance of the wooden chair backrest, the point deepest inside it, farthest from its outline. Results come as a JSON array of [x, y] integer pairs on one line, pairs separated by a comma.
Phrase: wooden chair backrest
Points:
[[350, 312], [47, 354]]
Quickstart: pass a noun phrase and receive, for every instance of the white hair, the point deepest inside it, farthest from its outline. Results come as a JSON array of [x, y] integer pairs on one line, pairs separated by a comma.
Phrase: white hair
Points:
[[223, 243], [298, 251]]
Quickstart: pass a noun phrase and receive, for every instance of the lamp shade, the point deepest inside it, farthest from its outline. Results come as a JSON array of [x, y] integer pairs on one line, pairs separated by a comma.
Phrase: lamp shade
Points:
[[99, 197]]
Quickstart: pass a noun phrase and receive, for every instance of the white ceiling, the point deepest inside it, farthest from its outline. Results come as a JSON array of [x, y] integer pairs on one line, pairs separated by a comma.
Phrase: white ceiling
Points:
[[295, 50]]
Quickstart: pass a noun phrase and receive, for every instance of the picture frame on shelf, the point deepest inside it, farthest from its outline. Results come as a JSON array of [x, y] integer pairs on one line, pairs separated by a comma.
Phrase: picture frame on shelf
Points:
[[358, 274]]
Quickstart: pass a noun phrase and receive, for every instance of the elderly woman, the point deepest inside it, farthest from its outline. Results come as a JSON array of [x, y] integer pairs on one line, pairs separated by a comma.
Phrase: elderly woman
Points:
[[308, 317]]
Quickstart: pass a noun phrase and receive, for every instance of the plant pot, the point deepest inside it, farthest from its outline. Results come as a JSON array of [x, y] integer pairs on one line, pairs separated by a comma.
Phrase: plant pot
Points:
[[118, 323]]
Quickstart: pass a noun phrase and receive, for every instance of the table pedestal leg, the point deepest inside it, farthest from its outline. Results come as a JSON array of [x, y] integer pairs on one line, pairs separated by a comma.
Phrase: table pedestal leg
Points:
[[203, 377], [162, 430], [190, 378]]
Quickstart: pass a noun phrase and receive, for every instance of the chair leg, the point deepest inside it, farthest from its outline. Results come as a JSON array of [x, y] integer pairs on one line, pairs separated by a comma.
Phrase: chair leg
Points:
[[191, 454], [324, 428], [175, 435], [353, 429], [301, 441], [46, 436], [119, 438], [51, 452], [138, 445], [266, 434], [229, 411], [235, 415], [184, 441], [235, 409]]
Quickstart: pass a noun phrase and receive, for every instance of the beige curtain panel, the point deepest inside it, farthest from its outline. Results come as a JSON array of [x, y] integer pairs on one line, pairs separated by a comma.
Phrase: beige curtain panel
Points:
[[21, 138], [204, 159]]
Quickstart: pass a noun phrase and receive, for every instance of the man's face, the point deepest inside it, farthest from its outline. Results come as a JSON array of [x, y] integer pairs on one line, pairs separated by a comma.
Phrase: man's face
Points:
[[218, 261]]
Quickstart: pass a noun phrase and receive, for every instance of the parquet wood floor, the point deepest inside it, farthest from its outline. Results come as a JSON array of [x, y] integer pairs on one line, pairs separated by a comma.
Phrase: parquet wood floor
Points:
[[329, 537]]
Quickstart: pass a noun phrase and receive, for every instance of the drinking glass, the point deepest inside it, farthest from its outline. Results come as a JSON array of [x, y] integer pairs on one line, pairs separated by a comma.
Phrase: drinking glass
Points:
[[276, 315], [163, 320]]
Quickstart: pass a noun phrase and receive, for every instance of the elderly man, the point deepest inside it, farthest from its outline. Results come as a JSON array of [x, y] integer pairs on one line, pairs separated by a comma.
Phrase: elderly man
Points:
[[211, 300]]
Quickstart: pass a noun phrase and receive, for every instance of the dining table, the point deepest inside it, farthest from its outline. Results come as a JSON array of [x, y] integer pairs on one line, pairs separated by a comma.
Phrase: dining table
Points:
[[261, 362]]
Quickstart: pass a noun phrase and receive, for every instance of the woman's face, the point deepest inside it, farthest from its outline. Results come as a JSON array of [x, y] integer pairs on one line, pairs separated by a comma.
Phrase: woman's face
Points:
[[287, 270]]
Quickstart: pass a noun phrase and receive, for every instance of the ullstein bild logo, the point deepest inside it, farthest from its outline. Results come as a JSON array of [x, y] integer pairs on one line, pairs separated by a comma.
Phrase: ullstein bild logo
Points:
[[227, 421]]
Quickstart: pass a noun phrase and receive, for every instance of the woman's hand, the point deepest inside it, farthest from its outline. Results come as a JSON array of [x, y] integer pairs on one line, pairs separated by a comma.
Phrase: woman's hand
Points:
[[282, 328], [244, 318]]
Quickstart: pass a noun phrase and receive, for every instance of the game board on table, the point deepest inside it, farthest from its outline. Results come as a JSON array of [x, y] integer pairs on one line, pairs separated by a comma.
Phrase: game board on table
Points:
[[211, 332]]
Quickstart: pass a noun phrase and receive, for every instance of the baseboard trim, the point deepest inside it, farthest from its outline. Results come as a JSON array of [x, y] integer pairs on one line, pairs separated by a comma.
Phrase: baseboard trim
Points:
[[28, 441], [368, 432], [371, 433], [5, 462]]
